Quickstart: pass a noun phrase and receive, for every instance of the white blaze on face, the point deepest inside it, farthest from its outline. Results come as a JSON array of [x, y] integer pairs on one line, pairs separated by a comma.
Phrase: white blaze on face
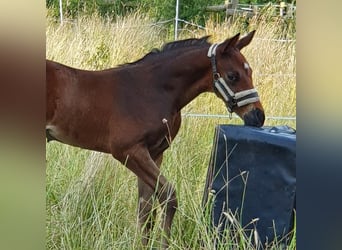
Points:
[[246, 66]]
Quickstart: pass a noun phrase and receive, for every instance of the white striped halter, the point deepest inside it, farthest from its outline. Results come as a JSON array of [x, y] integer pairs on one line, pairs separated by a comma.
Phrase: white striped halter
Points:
[[220, 86]]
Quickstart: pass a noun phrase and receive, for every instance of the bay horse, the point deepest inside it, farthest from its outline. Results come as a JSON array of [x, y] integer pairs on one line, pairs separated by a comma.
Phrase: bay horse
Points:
[[133, 111]]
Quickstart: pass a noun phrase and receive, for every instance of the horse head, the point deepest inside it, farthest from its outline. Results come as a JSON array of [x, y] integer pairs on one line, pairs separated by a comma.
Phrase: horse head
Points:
[[233, 82]]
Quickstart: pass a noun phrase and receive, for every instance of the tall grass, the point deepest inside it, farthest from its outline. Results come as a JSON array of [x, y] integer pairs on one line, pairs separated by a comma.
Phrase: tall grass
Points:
[[91, 200]]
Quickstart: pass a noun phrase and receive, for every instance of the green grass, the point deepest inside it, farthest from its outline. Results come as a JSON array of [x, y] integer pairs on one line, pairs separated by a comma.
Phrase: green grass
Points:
[[91, 199]]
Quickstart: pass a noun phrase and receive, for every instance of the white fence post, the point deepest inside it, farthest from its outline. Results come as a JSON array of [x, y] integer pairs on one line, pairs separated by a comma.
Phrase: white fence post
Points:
[[176, 20], [61, 11]]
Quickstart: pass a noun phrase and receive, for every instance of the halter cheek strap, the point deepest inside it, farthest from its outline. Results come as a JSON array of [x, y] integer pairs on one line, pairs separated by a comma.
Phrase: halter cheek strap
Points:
[[232, 99]]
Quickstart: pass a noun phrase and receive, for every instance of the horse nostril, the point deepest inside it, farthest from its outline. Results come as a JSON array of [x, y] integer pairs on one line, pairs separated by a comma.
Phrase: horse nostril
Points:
[[260, 116]]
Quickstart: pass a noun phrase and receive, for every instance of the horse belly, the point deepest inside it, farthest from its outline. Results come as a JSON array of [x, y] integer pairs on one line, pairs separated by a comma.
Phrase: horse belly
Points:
[[84, 137]]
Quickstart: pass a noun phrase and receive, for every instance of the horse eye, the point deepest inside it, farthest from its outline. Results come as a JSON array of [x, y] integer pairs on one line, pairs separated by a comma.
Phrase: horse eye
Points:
[[233, 76]]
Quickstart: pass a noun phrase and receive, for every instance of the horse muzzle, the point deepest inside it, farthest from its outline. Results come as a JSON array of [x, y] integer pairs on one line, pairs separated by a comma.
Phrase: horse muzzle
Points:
[[255, 118]]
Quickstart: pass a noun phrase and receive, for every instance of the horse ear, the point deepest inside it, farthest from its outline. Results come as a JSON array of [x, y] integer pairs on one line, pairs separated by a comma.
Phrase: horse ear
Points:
[[230, 42], [243, 42]]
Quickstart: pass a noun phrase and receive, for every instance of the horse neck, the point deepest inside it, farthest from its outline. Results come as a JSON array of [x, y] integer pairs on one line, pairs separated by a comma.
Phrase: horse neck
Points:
[[189, 74]]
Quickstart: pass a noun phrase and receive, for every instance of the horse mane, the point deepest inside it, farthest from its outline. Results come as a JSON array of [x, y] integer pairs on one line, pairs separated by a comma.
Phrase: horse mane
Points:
[[170, 46], [199, 42]]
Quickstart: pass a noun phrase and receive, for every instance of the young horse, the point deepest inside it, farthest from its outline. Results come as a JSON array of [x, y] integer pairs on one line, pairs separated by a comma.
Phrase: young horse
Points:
[[133, 110]]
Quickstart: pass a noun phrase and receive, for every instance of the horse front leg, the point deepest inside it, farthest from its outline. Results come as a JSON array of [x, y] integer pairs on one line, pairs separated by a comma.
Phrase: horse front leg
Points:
[[169, 201], [146, 213], [140, 162]]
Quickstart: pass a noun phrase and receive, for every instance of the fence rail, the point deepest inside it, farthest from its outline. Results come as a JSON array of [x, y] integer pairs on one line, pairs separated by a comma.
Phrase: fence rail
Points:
[[283, 9], [233, 116]]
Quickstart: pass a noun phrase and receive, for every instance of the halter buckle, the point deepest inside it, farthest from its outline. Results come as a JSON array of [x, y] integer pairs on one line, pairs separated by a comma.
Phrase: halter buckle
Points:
[[216, 76]]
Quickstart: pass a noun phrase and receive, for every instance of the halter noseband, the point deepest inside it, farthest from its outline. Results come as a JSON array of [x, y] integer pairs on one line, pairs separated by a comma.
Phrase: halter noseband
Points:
[[220, 86]]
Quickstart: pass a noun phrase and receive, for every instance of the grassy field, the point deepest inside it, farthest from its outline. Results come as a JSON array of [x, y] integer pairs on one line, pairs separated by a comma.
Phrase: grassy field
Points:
[[91, 200]]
